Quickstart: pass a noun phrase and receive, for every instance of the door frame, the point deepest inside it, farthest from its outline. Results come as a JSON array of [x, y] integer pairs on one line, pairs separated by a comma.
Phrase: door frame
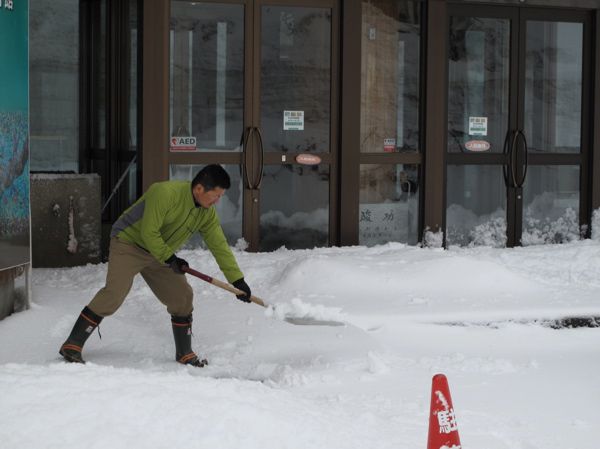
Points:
[[251, 225], [518, 16], [497, 159], [430, 89], [156, 136], [155, 96], [582, 158]]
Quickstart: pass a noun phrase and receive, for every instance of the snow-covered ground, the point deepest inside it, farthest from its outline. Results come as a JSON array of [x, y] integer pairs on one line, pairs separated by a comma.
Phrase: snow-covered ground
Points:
[[479, 315]]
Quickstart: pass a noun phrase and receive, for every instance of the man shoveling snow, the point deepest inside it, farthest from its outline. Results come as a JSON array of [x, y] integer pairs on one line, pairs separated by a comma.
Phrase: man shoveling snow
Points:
[[144, 240]]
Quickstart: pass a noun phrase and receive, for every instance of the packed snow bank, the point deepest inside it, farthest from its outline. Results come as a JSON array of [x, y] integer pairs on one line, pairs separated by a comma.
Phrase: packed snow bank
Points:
[[414, 282]]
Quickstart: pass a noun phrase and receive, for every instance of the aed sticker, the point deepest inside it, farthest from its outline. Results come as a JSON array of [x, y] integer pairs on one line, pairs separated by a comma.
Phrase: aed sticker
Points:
[[183, 143], [389, 145], [478, 126], [293, 120], [477, 145]]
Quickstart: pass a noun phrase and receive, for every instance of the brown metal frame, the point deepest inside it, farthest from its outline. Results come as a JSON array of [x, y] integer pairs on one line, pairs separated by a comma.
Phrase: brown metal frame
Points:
[[433, 155], [350, 123], [155, 130], [437, 117], [594, 173], [572, 4]]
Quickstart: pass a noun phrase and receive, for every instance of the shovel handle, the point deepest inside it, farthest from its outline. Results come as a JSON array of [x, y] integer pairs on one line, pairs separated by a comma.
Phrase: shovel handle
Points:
[[223, 285]]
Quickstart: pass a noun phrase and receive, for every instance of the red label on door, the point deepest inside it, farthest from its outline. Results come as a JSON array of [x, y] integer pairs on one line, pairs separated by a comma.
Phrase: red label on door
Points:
[[477, 145], [389, 145]]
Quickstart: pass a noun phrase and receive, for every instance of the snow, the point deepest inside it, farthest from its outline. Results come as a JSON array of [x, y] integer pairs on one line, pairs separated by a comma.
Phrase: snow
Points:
[[72, 243], [596, 225], [479, 315]]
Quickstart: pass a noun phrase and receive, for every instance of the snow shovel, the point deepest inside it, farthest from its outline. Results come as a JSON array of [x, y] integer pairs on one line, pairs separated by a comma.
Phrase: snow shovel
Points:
[[303, 321]]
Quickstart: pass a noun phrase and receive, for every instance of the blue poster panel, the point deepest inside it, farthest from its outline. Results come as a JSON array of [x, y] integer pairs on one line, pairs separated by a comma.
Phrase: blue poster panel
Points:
[[14, 134]]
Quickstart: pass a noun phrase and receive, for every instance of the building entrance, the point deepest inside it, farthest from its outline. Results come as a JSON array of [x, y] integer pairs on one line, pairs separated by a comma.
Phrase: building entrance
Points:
[[518, 128], [252, 88]]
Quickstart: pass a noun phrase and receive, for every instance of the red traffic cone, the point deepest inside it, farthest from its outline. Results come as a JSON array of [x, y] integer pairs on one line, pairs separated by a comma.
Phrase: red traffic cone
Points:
[[443, 429]]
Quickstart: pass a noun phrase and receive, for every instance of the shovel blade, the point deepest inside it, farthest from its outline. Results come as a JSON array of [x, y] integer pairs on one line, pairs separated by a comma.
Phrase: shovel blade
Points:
[[307, 321]]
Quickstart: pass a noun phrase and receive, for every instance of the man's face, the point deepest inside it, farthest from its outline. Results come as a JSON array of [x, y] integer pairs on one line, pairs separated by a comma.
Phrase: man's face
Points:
[[207, 198]]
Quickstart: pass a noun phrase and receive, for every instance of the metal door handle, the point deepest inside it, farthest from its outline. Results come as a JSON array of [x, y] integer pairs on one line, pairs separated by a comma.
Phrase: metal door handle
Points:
[[506, 153], [262, 158], [512, 159], [245, 139], [526, 164]]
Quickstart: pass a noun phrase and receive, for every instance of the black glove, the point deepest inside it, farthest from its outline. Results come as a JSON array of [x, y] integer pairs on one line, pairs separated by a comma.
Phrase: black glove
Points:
[[177, 264], [240, 284]]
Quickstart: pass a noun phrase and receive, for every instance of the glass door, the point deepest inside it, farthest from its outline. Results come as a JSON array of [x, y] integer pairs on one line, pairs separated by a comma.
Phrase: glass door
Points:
[[516, 146], [481, 111], [293, 106], [208, 78], [251, 89], [552, 126], [108, 103]]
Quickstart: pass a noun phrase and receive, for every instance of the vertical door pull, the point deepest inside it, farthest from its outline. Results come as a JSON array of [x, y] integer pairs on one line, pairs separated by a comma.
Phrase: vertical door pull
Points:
[[512, 159], [245, 139], [506, 152], [262, 159], [526, 161]]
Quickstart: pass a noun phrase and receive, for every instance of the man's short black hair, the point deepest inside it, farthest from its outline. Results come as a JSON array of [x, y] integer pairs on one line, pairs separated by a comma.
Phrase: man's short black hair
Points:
[[211, 177]]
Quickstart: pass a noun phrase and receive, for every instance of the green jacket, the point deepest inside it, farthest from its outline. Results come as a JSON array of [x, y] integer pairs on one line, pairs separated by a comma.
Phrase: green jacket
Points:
[[166, 216]]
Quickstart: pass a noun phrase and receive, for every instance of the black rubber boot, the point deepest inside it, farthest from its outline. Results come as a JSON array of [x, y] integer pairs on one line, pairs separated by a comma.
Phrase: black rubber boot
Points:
[[182, 331], [84, 326]]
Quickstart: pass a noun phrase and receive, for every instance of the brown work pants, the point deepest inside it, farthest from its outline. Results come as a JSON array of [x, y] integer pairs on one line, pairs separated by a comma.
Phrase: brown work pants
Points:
[[125, 260]]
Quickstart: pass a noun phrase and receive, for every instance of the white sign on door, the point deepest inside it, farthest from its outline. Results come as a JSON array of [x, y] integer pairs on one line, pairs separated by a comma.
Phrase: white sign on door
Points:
[[293, 120], [379, 222], [183, 143], [478, 126]]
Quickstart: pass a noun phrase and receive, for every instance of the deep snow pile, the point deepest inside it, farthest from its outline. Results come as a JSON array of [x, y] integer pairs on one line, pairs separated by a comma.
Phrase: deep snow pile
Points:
[[476, 315]]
